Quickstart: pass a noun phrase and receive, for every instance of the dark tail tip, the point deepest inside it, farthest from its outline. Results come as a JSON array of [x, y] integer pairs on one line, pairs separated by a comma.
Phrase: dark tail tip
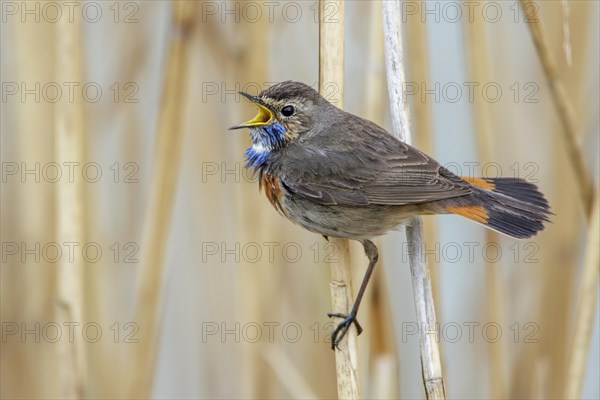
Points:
[[518, 208], [518, 225], [511, 206]]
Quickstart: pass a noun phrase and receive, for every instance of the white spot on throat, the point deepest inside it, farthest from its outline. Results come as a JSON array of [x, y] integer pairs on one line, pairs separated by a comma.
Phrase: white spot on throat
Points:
[[260, 147]]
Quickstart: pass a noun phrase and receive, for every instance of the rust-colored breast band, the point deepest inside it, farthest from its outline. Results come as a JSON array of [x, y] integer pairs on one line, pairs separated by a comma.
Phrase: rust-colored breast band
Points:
[[272, 190]]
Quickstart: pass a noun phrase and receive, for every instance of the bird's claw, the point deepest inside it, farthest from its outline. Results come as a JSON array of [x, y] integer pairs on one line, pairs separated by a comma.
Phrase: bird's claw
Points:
[[342, 328]]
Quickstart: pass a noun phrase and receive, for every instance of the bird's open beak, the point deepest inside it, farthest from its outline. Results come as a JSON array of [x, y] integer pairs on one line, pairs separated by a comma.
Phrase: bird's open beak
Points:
[[264, 117]]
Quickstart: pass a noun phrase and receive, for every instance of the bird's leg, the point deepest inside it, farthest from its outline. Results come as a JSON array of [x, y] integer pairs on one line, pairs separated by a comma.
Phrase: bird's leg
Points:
[[342, 328]]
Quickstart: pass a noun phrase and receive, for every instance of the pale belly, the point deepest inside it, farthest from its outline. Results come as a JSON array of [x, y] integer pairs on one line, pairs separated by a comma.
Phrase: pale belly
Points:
[[351, 222]]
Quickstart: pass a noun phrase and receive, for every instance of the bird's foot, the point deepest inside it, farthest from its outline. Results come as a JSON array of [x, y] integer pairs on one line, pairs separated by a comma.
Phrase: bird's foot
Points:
[[342, 328]]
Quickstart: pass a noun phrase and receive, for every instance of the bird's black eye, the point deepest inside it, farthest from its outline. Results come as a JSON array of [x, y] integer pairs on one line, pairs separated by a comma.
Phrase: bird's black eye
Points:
[[287, 111]]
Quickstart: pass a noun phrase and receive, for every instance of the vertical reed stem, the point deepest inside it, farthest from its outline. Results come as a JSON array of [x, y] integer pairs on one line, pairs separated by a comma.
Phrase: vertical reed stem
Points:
[[69, 128], [431, 366], [331, 72]]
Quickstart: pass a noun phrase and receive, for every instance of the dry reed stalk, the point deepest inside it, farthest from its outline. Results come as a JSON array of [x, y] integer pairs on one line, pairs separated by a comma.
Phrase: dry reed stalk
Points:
[[567, 49], [69, 129], [558, 93], [346, 354], [586, 306], [418, 72], [141, 359], [480, 71], [331, 71], [431, 366]]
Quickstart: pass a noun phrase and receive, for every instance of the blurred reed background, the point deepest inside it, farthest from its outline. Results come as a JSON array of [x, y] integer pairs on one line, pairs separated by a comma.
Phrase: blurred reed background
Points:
[[139, 259]]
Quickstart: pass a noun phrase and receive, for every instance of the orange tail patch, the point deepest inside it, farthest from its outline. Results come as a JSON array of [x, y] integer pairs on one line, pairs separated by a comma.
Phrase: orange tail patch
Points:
[[483, 183], [475, 213]]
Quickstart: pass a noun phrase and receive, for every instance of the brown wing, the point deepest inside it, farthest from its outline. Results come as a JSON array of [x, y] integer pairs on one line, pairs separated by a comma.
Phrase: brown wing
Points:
[[365, 165]]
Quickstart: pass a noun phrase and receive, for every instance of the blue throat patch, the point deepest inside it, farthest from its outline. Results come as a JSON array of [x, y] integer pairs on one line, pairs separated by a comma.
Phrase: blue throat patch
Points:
[[264, 140]]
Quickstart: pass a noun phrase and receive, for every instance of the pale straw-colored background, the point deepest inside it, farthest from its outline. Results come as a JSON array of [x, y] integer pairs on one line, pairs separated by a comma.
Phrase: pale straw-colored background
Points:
[[240, 295]]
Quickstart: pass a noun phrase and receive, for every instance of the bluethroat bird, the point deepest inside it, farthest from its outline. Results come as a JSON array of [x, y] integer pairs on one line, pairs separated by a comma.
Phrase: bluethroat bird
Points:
[[340, 175]]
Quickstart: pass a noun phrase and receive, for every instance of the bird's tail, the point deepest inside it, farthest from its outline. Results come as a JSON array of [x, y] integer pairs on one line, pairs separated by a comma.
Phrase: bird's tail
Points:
[[511, 206]]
